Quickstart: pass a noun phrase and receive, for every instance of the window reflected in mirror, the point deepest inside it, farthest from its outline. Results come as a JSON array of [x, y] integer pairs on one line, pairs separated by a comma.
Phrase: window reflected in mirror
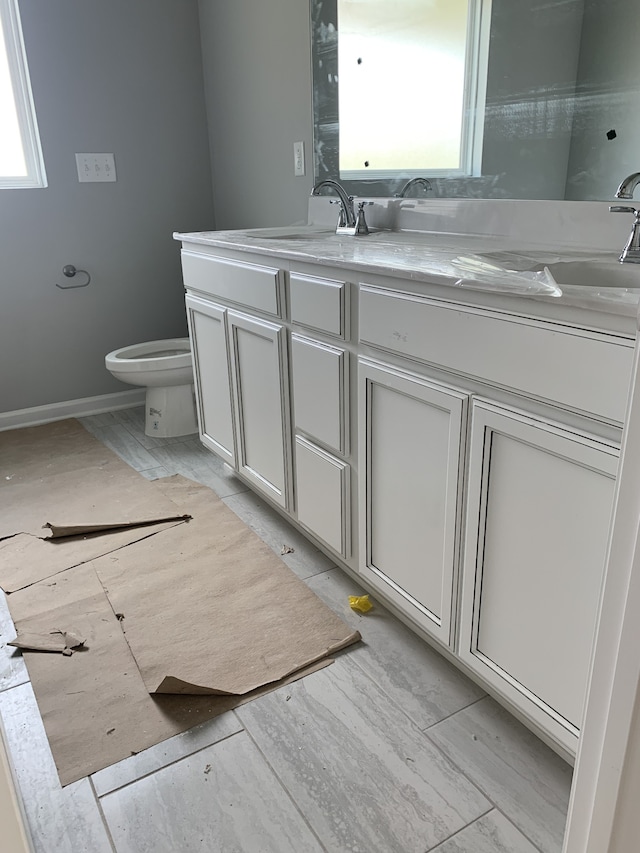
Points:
[[427, 124]]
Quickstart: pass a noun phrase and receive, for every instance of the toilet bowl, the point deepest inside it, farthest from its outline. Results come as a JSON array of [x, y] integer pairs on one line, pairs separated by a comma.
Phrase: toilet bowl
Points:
[[165, 369]]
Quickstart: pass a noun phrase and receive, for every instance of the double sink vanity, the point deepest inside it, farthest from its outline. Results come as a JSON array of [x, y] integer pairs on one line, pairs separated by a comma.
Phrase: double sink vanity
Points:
[[439, 407]]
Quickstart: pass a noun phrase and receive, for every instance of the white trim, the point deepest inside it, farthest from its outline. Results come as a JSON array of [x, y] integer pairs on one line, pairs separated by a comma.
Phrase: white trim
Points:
[[615, 667], [476, 84], [72, 409], [19, 73]]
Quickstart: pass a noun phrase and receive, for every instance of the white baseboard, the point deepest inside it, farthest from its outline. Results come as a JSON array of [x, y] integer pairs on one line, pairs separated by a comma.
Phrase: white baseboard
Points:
[[72, 409]]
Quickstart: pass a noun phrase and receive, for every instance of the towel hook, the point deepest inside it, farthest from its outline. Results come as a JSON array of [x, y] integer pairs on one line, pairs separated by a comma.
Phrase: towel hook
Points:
[[69, 270]]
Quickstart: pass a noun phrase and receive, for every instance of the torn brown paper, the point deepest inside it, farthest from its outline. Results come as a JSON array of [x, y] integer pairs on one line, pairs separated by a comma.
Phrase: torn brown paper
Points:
[[26, 559], [60, 531], [95, 707], [52, 641], [209, 608], [111, 496], [59, 474]]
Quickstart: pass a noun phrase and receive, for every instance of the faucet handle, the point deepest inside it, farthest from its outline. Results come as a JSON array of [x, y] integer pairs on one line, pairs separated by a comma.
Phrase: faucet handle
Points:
[[362, 229], [343, 215], [631, 252], [622, 208]]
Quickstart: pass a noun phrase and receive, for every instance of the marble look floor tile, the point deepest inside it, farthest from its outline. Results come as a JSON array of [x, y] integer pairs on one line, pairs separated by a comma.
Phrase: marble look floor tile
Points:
[[155, 473], [525, 779], [224, 798], [191, 459], [134, 421], [492, 833], [165, 753], [13, 670], [119, 439], [363, 775], [94, 422], [305, 560], [425, 685], [60, 820]]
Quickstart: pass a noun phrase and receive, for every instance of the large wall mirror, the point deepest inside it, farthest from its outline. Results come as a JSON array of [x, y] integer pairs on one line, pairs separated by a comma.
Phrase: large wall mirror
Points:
[[525, 99]]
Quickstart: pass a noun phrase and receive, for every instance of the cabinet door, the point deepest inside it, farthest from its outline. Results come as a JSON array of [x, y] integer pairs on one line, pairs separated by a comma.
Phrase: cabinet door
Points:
[[322, 495], [410, 465], [538, 513], [208, 333], [258, 365]]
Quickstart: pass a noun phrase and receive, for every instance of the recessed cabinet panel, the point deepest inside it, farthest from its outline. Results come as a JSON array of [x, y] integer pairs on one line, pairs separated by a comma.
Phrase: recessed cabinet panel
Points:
[[539, 508], [410, 460], [318, 303], [208, 332], [257, 349], [322, 495], [245, 284], [319, 384]]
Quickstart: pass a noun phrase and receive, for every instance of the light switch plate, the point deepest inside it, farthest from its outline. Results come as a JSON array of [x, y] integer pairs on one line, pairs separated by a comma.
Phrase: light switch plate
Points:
[[298, 158], [96, 167]]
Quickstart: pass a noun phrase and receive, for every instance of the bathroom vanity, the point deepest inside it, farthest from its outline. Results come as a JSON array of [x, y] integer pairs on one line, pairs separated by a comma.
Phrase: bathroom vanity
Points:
[[451, 442]]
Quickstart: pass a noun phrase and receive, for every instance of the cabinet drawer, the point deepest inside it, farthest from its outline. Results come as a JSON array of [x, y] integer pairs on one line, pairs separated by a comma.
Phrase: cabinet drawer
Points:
[[580, 370], [318, 303], [245, 284], [319, 391], [322, 495]]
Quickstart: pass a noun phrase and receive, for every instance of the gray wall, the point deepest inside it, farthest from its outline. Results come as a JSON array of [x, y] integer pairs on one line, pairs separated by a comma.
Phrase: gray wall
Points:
[[534, 51], [257, 62], [609, 100], [124, 77]]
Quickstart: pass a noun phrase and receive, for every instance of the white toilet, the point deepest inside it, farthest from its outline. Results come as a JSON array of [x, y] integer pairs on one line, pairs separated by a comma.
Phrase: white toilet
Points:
[[165, 369]]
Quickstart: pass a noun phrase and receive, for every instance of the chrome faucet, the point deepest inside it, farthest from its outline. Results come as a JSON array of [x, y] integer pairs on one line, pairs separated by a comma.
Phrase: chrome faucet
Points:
[[631, 252], [414, 182], [348, 223], [626, 188]]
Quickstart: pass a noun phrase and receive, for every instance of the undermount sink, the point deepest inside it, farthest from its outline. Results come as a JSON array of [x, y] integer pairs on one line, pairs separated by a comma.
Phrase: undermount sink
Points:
[[291, 232], [599, 274], [598, 269]]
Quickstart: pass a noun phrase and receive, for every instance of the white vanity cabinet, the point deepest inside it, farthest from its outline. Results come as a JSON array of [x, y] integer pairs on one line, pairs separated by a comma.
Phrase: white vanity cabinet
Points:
[[411, 458], [539, 501], [457, 452]]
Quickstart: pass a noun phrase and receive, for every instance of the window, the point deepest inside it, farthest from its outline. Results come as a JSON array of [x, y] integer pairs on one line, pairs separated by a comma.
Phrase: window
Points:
[[21, 163], [411, 82]]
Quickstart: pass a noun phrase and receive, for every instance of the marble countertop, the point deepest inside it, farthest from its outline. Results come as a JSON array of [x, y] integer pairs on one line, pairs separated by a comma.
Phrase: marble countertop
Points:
[[593, 280]]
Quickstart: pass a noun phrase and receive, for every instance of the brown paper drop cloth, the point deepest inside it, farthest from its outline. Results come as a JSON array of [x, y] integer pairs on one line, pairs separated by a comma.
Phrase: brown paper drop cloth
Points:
[[207, 607]]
